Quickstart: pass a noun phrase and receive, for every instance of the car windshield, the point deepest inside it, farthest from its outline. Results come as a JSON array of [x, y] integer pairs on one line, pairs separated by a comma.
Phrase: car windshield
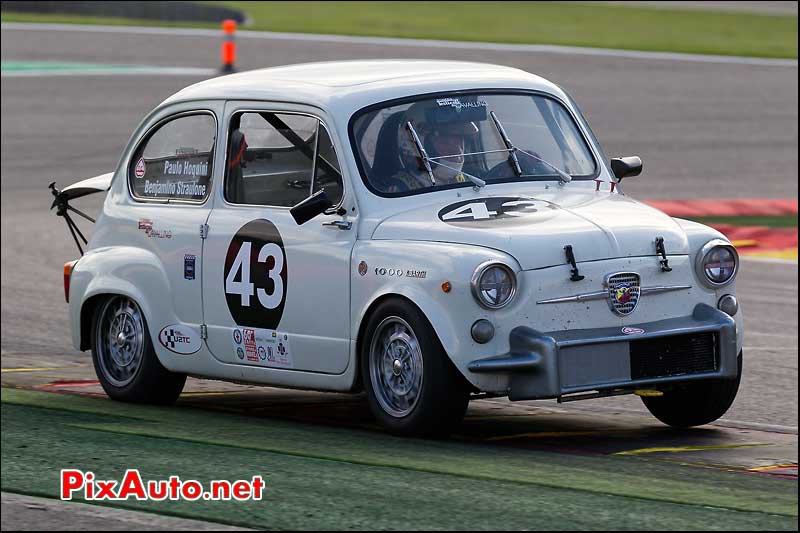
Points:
[[468, 139]]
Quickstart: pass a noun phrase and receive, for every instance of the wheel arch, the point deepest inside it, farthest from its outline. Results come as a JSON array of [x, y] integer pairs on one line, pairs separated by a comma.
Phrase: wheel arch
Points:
[[443, 328]]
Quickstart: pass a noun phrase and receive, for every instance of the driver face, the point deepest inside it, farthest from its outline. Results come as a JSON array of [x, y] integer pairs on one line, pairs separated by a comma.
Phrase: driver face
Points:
[[449, 144]]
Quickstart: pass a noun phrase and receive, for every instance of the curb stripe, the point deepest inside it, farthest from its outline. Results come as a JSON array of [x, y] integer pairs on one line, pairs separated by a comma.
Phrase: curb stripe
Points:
[[680, 449], [726, 207]]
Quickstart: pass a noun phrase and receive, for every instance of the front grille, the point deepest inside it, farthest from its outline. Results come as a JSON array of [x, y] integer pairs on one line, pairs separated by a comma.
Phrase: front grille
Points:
[[673, 356]]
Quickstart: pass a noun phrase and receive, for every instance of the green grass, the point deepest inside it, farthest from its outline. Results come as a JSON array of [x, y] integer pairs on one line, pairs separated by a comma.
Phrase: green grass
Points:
[[769, 221], [607, 26], [335, 478]]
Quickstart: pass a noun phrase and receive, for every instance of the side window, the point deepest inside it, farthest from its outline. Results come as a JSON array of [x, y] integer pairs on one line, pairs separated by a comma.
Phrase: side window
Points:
[[270, 158], [327, 174], [174, 162]]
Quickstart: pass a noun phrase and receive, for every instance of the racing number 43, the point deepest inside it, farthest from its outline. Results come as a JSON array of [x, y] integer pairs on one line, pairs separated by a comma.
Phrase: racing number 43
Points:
[[244, 288]]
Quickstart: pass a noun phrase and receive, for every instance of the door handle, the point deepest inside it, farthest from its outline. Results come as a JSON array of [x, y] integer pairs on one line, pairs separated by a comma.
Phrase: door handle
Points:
[[339, 224]]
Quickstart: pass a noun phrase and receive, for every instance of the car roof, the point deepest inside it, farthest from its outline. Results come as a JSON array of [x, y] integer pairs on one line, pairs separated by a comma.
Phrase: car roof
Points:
[[346, 86]]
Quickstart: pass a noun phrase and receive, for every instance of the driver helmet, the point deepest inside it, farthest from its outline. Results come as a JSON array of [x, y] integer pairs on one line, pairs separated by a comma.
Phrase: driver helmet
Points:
[[442, 132]]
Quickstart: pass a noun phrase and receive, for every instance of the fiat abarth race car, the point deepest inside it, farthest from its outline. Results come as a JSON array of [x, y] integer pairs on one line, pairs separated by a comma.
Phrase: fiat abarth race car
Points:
[[425, 231]]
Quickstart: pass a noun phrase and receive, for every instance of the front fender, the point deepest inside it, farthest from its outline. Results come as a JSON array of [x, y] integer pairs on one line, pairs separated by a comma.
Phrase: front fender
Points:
[[416, 270], [698, 235], [129, 271]]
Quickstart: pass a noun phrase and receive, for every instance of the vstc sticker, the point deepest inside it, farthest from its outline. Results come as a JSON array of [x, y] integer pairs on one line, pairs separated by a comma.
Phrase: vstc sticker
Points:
[[189, 261], [179, 338]]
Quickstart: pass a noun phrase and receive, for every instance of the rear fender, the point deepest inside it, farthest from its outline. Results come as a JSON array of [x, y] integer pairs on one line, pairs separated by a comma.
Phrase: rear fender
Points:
[[122, 270]]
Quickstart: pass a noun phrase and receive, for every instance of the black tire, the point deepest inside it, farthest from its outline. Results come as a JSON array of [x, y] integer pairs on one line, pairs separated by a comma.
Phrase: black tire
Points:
[[143, 379], [697, 403], [443, 394]]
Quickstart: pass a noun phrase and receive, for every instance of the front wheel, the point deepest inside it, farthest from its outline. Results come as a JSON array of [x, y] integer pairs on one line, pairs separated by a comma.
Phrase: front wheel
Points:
[[124, 359], [412, 387], [697, 403]]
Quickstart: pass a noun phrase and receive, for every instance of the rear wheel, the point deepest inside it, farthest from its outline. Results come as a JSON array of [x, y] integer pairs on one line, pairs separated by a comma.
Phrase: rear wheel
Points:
[[124, 359], [697, 403], [412, 387]]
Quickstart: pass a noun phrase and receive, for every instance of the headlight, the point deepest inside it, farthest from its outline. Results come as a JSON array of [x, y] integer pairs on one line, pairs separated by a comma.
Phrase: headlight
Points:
[[717, 263], [494, 284]]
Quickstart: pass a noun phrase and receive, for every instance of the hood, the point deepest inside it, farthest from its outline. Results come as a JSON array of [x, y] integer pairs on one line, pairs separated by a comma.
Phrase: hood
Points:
[[535, 229]]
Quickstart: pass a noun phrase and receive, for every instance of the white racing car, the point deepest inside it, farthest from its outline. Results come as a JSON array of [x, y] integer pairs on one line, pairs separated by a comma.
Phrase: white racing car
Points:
[[426, 231]]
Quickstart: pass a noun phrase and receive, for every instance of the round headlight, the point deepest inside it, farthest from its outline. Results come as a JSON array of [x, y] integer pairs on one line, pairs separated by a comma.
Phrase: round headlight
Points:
[[718, 263], [494, 285]]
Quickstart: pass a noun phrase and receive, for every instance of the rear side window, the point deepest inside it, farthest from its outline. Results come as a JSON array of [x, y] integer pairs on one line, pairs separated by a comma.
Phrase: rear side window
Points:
[[174, 161], [277, 159]]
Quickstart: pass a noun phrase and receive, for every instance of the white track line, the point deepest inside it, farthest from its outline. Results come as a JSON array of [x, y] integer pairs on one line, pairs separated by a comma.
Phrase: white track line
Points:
[[137, 70], [773, 260], [419, 43]]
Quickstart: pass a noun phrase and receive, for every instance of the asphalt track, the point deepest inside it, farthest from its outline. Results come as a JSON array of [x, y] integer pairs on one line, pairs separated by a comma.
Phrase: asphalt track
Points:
[[704, 129]]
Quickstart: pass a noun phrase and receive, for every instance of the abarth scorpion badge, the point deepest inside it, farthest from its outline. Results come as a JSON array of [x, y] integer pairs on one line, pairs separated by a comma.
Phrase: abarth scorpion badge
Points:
[[623, 292]]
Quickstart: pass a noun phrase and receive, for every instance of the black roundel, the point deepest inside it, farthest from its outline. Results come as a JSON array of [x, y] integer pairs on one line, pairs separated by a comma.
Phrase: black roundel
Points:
[[256, 276]]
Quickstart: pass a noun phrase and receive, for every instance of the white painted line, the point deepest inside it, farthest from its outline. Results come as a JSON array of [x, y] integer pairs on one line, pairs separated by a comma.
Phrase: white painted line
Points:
[[739, 424], [417, 43], [773, 260], [110, 71], [769, 348], [778, 335]]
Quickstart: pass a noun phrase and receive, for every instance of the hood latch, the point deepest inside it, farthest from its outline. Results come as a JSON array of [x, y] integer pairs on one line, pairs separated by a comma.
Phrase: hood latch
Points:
[[575, 275], [660, 250]]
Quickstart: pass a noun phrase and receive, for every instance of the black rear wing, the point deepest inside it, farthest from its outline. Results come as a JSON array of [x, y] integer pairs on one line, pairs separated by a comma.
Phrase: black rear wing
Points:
[[80, 189]]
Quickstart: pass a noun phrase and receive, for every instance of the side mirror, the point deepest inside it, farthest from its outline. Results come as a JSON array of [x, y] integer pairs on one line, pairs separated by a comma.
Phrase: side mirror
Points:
[[626, 166], [314, 205]]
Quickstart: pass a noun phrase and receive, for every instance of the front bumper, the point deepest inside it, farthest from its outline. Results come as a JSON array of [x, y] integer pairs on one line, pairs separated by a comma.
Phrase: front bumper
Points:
[[548, 365]]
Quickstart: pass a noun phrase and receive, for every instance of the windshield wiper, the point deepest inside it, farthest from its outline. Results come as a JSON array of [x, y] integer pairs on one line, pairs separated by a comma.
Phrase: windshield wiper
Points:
[[512, 153], [427, 161], [422, 153]]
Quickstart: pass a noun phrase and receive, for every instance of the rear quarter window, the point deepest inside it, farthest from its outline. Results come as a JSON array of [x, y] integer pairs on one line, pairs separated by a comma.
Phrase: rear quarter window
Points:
[[174, 161]]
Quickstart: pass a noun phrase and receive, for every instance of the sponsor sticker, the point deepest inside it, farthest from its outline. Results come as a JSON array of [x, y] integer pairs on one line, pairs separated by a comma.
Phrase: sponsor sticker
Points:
[[362, 268], [263, 347], [632, 331], [189, 262], [179, 338], [140, 169], [459, 104], [147, 227]]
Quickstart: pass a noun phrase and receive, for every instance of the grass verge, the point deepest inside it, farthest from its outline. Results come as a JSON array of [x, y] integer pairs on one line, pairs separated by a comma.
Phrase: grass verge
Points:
[[327, 477], [590, 25]]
